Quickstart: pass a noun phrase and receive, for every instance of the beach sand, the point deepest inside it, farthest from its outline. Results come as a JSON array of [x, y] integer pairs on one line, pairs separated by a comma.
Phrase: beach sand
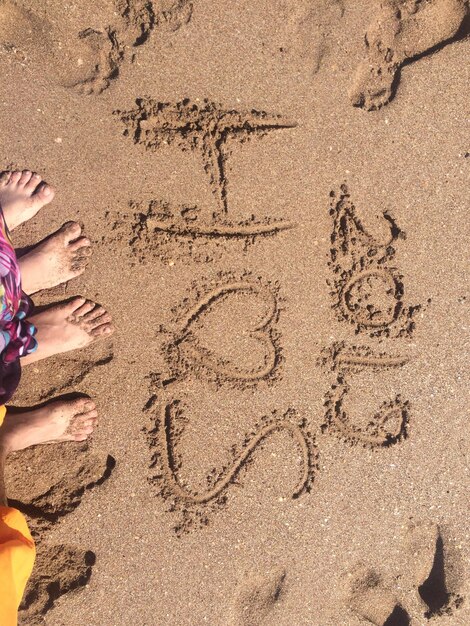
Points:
[[279, 218]]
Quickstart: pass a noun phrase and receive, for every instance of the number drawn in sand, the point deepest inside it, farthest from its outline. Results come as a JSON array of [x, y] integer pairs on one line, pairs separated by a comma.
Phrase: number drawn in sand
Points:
[[59, 569], [72, 54], [429, 579], [404, 30], [389, 424], [367, 290], [194, 507], [228, 334], [205, 127], [257, 597], [187, 233]]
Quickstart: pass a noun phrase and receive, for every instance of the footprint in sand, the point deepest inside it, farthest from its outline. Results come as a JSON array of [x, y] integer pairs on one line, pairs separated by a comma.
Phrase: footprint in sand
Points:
[[423, 586], [308, 30], [85, 60], [403, 31], [62, 374], [434, 570], [371, 598], [256, 598], [172, 14], [48, 482], [82, 58], [58, 570]]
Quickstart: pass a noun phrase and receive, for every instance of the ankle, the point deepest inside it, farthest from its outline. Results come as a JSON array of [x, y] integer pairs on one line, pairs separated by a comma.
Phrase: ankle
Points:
[[5, 446]]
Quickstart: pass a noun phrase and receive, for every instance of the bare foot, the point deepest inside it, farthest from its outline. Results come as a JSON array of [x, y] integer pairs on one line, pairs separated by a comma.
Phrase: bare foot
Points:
[[55, 260], [56, 421], [68, 326], [22, 194]]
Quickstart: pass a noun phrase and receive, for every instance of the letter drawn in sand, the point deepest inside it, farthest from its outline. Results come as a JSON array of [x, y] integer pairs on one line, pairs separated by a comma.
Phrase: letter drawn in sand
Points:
[[367, 290], [174, 233], [204, 127], [194, 507], [389, 424], [252, 352], [404, 30]]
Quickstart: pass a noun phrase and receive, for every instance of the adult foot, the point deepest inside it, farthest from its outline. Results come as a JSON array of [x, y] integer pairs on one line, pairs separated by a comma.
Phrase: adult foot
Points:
[[22, 194], [68, 326], [55, 260], [60, 420]]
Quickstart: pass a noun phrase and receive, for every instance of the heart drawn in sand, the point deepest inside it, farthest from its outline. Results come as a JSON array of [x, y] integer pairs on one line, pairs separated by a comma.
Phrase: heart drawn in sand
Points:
[[229, 331]]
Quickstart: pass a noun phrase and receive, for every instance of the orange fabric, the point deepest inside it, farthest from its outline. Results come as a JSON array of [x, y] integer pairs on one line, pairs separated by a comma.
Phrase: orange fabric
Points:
[[3, 412], [17, 554]]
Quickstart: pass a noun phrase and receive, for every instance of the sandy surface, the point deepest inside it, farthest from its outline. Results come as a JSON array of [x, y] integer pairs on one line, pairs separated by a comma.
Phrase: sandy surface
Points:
[[284, 406]]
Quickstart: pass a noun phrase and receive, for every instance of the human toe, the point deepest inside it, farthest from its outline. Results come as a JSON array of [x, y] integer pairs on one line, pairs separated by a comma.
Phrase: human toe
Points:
[[4, 178], [80, 433], [71, 230], [96, 312], [80, 243], [25, 178], [15, 177], [82, 406], [44, 193], [84, 309], [74, 305], [103, 330], [33, 182], [78, 267]]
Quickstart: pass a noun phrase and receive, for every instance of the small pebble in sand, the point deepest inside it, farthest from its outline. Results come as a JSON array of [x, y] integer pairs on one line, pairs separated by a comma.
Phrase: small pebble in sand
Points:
[[58, 140]]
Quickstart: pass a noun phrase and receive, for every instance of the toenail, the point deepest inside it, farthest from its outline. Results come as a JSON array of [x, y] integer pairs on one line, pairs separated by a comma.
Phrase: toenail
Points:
[[47, 190]]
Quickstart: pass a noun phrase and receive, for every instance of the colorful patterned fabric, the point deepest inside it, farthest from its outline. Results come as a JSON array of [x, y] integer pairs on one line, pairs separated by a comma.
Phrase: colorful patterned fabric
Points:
[[16, 334]]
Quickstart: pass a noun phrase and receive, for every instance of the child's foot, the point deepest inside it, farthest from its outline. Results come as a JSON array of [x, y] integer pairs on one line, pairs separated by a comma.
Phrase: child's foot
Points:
[[68, 326], [55, 260], [56, 421], [22, 194]]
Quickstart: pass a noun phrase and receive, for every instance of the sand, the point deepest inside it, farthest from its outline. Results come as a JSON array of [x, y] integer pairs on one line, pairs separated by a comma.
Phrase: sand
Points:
[[277, 195]]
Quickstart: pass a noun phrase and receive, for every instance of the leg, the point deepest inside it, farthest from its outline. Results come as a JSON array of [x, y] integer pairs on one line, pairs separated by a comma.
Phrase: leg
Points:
[[57, 421], [58, 258]]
